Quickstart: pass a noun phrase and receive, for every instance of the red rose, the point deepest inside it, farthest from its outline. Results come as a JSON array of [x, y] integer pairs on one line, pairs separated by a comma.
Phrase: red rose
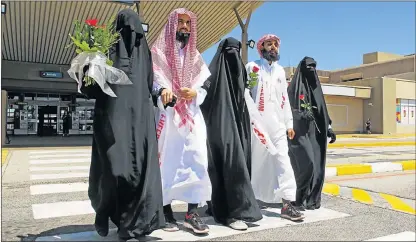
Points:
[[301, 97], [255, 69], [91, 22]]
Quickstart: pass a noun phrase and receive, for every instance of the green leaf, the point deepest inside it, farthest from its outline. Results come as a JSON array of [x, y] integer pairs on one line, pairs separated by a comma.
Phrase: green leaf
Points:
[[303, 105], [78, 51]]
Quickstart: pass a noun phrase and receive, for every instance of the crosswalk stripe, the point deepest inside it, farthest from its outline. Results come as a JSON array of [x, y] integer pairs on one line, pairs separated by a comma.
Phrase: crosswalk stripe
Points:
[[58, 176], [60, 161], [271, 219], [77, 155], [59, 151], [58, 168], [58, 188], [404, 236], [61, 209]]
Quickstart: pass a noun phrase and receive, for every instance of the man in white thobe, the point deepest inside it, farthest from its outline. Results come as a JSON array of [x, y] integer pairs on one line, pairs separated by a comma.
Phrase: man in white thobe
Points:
[[179, 74], [272, 175]]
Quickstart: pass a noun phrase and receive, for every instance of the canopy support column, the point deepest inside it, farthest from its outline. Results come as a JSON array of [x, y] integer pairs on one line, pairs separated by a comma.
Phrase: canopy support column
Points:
[[244, 34]]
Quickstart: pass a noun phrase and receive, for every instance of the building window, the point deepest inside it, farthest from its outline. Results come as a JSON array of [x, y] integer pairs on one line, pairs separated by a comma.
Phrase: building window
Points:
[[405, 111]]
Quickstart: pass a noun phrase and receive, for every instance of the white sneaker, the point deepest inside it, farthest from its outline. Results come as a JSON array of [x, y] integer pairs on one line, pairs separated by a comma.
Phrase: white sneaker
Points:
[[238, 225]]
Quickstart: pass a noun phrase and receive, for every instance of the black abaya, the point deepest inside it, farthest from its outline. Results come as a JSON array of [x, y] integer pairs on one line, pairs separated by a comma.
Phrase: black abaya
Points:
[[124, 181], [307, 150], [229, 138]]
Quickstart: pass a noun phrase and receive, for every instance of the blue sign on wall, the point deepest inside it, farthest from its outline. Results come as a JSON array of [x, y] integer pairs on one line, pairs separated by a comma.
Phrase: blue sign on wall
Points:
[[51, 74]]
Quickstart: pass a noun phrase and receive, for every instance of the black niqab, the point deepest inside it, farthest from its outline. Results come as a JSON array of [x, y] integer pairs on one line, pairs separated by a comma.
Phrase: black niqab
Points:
[[124, 181], [229, 138], [308, 149]]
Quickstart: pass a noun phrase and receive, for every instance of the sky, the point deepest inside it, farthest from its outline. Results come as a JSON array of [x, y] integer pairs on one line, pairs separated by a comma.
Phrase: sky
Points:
[[335, 34]]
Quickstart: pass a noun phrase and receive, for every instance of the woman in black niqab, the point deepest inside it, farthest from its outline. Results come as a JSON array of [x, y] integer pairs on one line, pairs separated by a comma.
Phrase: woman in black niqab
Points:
[[124, 181], [229, 138], [307, 150]]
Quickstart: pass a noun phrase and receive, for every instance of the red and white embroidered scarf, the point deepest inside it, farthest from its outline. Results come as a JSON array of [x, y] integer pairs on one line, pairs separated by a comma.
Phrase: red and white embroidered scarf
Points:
[[168, 68]]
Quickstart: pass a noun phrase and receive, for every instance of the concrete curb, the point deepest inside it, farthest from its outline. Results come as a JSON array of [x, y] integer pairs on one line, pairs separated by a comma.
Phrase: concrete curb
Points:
[[372, 198], [355, 169], [371, 144]]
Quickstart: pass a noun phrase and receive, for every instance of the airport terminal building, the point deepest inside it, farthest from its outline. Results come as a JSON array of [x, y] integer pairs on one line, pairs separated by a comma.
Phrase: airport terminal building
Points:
[[36, 88], [383, 89]]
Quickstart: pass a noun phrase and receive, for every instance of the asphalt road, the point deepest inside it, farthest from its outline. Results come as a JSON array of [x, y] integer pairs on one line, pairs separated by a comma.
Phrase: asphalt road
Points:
[[36, 202]]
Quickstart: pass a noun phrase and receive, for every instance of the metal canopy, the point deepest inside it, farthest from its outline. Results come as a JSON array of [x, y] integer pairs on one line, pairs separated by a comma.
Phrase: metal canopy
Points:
[[37, 31]]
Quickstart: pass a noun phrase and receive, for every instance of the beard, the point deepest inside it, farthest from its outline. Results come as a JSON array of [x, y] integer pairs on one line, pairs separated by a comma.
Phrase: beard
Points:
[[270, 55], [182, 37]]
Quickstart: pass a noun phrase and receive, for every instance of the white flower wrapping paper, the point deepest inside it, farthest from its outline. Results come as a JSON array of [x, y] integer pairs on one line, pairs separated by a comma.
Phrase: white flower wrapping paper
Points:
[[99, 70]]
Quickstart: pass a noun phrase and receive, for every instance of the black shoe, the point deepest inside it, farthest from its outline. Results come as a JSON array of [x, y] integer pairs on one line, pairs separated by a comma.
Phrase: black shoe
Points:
[[101, 225], [290, 212], [123, 235], [300, 208], [310, 207], [209, 212], [171, 225], [194, 222]]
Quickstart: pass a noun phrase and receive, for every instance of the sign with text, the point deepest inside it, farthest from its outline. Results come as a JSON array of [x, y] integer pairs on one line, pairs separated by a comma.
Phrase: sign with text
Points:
[[51, 74]]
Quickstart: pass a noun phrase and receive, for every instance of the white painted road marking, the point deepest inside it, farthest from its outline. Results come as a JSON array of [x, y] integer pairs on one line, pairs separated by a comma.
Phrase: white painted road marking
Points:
[[59, 168], [61, 209], [60, 161], [58, 188], [51, 156], [60, 151], [271, 219], [58, 176], [404, 236]]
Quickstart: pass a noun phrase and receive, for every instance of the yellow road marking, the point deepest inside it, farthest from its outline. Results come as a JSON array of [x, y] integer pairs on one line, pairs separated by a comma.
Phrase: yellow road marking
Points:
[[332, 189], [397, 204], [4, 154], [407, 164], [372, 144], [361, 196], [353, 169]]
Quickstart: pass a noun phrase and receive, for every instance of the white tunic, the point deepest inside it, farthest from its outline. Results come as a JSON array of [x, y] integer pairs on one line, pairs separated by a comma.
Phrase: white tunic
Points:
[[272, 175], [183, 160]]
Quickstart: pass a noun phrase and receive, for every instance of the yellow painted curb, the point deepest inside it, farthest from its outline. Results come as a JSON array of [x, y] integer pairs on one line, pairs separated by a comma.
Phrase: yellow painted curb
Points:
[[397, 204], [372, 144], [376, 136], [407, 165], [361, 196], [332, 189], [4, 155], [353, 169], [370, 198]]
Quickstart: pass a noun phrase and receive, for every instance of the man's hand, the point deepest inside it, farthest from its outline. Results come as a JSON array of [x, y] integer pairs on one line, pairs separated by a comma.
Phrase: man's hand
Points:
[[331, 135], [167, 96], [187, 93], [290, 133]]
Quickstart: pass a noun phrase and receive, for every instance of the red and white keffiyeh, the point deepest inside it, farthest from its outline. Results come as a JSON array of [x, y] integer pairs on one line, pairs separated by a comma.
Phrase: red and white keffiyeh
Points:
[[266, 38], [168, 68]]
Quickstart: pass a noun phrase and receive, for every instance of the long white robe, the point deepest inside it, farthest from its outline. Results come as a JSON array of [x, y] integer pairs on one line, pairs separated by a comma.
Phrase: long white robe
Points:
[[272, 178], [183, 160]]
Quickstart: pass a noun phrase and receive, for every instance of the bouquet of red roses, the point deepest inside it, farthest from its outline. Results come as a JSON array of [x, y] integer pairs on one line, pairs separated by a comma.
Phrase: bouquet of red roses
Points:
[[92, 44]]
